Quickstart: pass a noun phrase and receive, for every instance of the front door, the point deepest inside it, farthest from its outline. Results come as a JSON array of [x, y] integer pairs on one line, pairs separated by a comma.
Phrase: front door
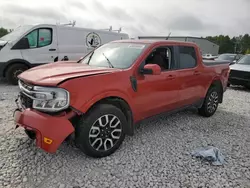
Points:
[[158, 93], [43, 46]]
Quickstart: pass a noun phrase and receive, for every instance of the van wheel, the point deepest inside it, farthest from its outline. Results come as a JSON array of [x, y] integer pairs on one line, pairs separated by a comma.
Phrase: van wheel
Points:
[[210, 103], [101, 132], [13, 71]]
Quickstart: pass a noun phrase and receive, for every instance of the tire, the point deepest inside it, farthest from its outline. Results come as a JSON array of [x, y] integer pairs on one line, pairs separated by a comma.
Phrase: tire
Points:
[[13, 71], [210, 103], [94, 138], [247, 86], [30, 134]]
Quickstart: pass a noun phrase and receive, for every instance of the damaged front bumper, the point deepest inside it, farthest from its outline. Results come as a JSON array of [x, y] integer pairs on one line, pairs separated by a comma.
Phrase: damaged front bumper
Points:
[[50, 131]]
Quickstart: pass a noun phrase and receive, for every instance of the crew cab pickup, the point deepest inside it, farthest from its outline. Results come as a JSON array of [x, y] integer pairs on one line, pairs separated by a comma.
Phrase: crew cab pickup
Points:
[[99, 99]]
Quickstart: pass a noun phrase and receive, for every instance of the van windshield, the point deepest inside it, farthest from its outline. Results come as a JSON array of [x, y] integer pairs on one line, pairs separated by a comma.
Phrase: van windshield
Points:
[[115, 55], [14, 35]]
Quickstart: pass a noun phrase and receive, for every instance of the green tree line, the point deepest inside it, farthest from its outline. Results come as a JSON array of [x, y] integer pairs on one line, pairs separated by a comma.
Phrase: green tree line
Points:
[[240, 44], [3, 31]]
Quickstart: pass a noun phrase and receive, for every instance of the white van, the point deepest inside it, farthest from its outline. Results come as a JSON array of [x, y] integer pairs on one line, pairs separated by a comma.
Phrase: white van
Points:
[[33, 45]]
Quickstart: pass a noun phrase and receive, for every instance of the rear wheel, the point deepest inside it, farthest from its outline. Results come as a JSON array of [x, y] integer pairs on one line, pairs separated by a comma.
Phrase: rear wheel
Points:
[[210, 103], [13, 71], [101, 132]]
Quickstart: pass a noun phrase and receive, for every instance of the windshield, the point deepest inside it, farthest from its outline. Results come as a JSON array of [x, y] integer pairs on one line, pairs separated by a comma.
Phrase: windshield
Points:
[[115, 55], [12, 36], [229, 57], [244, 60]]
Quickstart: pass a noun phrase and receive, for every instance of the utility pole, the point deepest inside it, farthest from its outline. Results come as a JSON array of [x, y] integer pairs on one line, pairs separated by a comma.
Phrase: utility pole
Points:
[[238, 45]]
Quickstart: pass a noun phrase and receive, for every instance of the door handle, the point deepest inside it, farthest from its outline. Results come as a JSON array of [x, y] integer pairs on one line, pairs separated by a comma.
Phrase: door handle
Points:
[[197, 73], [52, 49], [170, 77]]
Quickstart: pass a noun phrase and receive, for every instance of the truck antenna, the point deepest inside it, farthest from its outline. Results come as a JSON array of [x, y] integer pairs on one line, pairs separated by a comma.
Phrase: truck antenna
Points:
[[168, 35]]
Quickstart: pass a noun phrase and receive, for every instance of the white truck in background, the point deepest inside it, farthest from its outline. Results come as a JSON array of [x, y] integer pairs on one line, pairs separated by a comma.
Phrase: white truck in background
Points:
[[33, 45]]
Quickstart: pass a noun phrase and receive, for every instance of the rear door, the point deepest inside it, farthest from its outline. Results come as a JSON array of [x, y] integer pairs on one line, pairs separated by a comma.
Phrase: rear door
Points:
[[43, 46], [190, 77], [158, 93]]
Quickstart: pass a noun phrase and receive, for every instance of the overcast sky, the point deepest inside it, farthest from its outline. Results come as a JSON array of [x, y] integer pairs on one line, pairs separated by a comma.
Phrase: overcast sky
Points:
[[136, 17]]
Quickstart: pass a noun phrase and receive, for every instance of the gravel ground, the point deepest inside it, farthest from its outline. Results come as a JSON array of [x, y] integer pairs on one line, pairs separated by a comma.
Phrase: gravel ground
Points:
[[157, 156]]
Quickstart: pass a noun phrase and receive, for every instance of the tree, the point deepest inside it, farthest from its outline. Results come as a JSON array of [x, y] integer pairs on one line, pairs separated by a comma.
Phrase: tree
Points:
[[3, 31], [245, 42], [237, 44], [248, 51]]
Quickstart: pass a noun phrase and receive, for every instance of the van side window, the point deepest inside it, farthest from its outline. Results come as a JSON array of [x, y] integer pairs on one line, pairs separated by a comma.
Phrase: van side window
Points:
[[187, 57], [40, 37], [45, 37], [32, 38]]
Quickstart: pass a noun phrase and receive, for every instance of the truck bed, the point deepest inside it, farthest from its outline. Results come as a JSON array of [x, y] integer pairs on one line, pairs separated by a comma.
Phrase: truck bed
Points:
[[214, 62]]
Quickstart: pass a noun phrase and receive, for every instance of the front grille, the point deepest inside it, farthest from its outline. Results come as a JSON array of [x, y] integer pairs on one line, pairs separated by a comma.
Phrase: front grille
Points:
[[239, 74], [25, 100]]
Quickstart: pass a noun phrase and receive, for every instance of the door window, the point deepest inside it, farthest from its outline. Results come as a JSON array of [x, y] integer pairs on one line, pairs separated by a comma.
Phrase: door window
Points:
[[40, 38], [161, 56], [187, 57], [32, 38], [45, 37]]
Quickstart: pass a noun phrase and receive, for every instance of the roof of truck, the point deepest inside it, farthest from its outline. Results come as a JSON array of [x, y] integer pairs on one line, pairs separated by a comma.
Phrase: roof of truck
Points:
[[148, 41]]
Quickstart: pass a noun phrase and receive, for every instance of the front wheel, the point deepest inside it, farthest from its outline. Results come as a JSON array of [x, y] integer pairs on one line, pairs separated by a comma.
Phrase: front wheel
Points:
[[210, 103], [101, 132]]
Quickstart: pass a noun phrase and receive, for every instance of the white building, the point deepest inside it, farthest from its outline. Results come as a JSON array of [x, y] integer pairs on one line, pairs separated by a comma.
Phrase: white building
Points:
[[206, 46]]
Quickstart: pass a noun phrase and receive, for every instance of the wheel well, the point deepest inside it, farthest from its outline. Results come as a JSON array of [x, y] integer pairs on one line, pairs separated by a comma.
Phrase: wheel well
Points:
[[14, 63], [217, 84], [123, 106]]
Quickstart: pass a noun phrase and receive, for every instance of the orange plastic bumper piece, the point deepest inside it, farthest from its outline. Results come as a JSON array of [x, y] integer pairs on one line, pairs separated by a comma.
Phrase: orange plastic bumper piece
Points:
[[50, 131]]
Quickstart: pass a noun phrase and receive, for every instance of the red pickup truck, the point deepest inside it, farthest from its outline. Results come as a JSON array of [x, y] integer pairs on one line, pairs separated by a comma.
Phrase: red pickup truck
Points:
[[99, 99]]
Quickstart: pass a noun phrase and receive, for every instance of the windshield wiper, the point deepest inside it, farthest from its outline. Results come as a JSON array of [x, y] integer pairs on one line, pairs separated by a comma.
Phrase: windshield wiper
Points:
[[110, 64], [90, 57]]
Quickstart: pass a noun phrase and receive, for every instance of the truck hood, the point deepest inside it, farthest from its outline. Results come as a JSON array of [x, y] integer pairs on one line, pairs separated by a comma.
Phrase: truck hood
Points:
[[240, 67], [53, 73]]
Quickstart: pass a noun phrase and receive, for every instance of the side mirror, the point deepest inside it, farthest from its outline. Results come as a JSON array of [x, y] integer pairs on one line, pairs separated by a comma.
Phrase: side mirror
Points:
[[151, 69], [23, 43]]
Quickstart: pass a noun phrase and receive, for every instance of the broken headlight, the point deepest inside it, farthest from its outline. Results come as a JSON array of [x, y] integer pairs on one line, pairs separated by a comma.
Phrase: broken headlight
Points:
[[50, 99]]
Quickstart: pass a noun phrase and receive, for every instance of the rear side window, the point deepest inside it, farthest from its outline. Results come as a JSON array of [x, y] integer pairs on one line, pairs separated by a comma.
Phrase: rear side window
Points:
[[187, 57]]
